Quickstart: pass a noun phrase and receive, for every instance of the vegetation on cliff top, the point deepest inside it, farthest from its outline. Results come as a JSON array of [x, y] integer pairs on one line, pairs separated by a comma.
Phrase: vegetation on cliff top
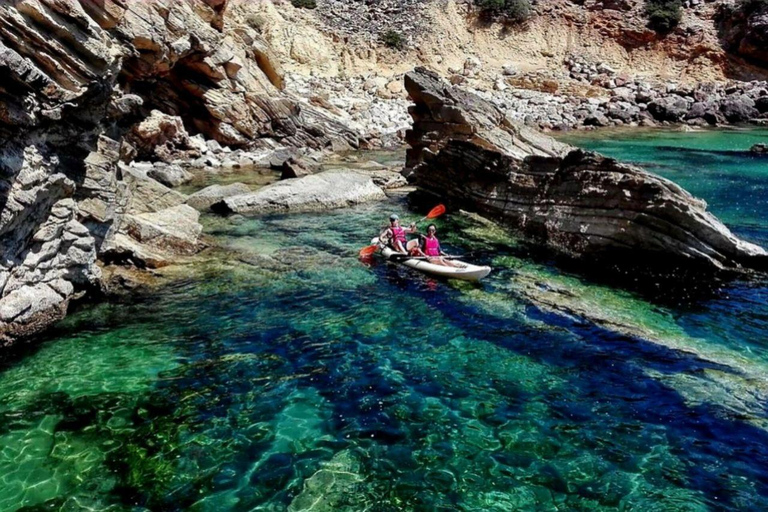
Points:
[[514, 11], [663, 15], [393, 39], [304, 4]]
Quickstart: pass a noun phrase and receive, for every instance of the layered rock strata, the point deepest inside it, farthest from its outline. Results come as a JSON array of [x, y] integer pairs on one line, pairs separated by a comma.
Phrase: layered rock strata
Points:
[[90, 86], [467, 151]]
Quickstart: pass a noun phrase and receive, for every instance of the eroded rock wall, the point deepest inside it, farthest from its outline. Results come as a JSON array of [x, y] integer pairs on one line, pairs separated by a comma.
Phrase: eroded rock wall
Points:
[[467, 151], [89, 85]]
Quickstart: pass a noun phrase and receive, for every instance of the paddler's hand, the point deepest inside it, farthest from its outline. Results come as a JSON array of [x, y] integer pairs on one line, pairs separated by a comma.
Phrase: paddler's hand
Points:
[[413, 227]]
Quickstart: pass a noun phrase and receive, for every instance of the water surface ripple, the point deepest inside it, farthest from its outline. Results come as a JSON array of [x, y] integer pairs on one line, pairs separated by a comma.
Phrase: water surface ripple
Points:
[[284, 374]]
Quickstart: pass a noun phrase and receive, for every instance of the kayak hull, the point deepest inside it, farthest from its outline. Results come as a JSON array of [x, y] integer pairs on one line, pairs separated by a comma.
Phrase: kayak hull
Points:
[[466, 272]]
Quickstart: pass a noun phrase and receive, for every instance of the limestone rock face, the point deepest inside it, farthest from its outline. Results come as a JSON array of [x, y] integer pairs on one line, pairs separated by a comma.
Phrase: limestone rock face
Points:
[[154, 239], [161, 137], [89, 86], [323, 191], [465, 150], [744, 30]]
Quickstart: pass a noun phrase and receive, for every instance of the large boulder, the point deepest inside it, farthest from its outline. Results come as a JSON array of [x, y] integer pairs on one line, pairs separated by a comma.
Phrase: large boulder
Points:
[[466, 151], [154, 239], [738, 108], [161, 137], [202, 200], [669, 108], [323, 191]]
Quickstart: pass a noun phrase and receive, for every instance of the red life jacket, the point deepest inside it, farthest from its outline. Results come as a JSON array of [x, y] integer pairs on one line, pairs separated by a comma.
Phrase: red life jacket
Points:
[[398, 233], [431, 246]]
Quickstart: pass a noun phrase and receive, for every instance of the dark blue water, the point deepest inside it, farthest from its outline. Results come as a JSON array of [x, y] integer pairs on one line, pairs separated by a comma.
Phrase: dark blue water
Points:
[[283, 374]]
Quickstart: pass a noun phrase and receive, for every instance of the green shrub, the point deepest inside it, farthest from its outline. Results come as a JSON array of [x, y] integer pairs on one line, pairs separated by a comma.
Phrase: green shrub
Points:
[[304, 4], [663, 15], [513, 11], [393, 39], [256, 21]]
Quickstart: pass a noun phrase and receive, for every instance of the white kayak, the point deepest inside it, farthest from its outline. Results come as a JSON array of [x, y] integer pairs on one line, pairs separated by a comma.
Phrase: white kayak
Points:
[[463, 271]]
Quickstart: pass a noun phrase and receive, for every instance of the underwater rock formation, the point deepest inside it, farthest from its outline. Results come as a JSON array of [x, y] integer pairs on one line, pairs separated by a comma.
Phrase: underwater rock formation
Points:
[[580, 203]]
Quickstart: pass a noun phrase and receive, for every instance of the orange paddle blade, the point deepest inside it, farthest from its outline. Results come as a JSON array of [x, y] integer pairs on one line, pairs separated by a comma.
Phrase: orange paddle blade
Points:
[[436, 211], [367, 251]]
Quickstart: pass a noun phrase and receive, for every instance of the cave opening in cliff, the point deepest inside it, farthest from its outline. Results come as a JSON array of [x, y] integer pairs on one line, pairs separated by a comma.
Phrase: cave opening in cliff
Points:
[[177, 91]]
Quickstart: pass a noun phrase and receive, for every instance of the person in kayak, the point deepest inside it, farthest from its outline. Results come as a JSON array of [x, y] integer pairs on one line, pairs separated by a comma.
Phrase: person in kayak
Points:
[[430, 248], [395, 233]]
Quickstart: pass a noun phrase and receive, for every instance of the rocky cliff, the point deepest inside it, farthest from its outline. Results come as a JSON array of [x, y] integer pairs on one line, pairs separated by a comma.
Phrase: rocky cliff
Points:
[[90, 85], [467, 151], [744, 30]]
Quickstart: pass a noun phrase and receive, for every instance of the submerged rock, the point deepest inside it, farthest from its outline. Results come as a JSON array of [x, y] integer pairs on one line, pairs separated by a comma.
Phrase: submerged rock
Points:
[[759, 149], [324, 191], [580, 203]]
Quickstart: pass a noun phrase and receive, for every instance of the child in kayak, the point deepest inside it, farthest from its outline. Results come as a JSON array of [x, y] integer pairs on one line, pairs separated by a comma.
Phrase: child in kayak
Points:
[[395, 233], [430, 248]]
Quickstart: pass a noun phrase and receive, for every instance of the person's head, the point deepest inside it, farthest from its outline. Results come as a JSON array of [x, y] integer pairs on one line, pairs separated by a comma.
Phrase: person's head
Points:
[[394, 220], [431, 230]]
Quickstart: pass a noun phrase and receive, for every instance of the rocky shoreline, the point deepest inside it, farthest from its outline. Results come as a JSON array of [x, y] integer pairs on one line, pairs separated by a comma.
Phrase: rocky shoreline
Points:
[[465, 150], [376, 106], [109, 108]]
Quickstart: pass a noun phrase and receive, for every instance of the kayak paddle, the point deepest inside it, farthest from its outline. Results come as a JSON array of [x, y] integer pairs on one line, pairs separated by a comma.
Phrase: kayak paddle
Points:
[[368, 251], [433, 214]]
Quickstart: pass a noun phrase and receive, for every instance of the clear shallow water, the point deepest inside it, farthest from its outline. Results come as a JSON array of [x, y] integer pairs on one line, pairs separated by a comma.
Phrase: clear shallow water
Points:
[[284, 374]]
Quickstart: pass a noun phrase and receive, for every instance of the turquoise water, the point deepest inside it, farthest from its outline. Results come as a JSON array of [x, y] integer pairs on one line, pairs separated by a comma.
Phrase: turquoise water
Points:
[[714, 165], [281, 373]]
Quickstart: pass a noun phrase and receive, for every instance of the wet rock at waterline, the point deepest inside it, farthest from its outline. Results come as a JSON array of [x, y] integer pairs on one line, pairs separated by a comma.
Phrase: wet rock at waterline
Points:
[[466, 150], [759, 149], [327, 190], [154, 239], [296, 168], [170, 175], [89, 87], [60, 259]]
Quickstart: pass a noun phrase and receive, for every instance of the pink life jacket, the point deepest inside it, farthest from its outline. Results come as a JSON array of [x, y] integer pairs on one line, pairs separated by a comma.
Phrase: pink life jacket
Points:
[[398, 233], [432, 246]]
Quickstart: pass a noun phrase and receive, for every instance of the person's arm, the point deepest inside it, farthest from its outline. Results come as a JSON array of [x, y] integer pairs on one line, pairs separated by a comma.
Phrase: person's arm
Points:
[[412, 229], [420, 248]]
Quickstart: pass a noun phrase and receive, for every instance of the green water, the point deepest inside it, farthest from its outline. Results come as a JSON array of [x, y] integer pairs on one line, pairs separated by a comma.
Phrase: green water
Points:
[[281, 373]]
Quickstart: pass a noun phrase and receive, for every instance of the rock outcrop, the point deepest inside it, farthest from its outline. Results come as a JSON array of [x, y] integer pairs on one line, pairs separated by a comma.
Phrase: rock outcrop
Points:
[[323, 191], [91, 86], [744, 29], [468, 152], [202, 200]]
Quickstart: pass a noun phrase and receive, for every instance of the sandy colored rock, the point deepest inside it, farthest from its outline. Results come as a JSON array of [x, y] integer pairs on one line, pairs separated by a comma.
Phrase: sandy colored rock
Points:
[[203, 199], [154, 239], [324, 191]]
